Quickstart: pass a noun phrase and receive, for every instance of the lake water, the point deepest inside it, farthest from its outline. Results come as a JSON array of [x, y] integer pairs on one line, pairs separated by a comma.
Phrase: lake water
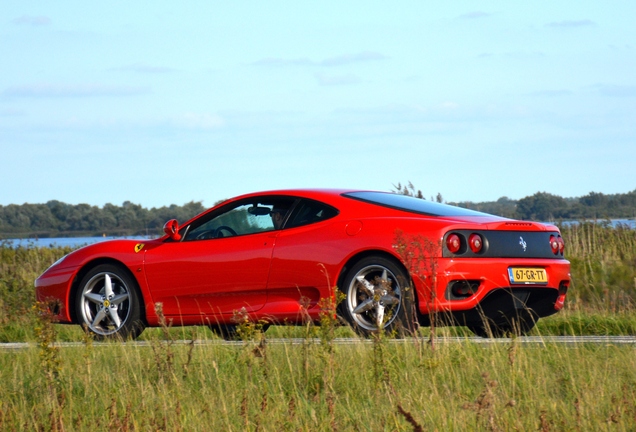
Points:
[[629, 223], [76, 242], [73, 242]]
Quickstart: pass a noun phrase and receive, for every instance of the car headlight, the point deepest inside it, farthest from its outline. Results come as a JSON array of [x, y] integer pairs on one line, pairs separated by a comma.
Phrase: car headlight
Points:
[[58, 261]]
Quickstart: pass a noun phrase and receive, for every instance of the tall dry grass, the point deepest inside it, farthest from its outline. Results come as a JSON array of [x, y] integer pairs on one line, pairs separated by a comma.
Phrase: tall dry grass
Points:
[[603, 266], [313, 386], [18, 269], [314, 383]]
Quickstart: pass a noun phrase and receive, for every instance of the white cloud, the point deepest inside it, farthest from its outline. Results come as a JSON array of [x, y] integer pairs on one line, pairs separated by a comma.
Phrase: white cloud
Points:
[[449, 105], [475, 15], [616, 90], [32, 20], [571, 23], [200, 121], [512, 55], [552, 93], [360, 57], [11, 112], [280, 62], [326, 80], [345, 59], [46, 90], [146, 69]]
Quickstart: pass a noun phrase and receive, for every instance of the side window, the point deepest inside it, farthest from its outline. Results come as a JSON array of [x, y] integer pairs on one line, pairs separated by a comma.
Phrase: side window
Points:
[[309, 211], [242, 218]]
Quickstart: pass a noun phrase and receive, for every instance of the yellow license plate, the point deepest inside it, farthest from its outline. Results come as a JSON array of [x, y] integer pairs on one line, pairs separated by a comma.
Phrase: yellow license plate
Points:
[[527, 275]]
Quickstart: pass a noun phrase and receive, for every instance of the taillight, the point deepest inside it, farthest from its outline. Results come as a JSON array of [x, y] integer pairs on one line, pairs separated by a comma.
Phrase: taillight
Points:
[[561, 245], [475, 242], [554, 244], [453, 243]]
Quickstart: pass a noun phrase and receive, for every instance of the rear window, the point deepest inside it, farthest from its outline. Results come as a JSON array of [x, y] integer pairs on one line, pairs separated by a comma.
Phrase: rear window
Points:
[[310, 211], [411, 204]]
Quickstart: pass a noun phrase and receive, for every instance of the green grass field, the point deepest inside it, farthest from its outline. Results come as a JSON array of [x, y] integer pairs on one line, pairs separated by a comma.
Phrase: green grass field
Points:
[[378, 385], [381, 385]]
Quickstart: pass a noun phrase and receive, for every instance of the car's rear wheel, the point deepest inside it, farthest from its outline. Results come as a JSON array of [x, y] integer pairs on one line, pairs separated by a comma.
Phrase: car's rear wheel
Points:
[[378, 296], [107, 303]]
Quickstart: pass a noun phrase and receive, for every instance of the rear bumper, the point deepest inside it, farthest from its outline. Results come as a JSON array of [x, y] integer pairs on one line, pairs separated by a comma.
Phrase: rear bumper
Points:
[[491, 293], [501, 305]]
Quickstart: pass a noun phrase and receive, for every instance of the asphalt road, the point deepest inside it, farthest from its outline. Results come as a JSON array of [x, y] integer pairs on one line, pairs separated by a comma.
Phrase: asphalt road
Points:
[[526, 340]]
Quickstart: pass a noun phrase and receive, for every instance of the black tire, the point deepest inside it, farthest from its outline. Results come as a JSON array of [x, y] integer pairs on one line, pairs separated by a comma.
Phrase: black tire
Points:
[[491, 331], [517, 327], [229, 332], [377, 288], [224, 331], [107, 303]]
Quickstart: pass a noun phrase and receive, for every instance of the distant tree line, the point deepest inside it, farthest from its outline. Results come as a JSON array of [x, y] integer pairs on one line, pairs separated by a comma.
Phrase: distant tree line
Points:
[[56, 218], [543, 206]]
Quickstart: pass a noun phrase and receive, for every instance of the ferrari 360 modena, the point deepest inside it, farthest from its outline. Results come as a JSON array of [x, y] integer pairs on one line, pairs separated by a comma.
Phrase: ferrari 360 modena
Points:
[[398, 261]]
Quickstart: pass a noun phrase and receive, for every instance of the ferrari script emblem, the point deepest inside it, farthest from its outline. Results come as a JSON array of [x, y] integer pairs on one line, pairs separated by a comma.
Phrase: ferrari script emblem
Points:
[[523, 244], [138, 247]]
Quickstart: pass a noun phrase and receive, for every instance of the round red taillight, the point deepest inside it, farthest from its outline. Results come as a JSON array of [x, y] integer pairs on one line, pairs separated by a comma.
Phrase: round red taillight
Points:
[[554, 244], [453, 243], [561, 245], [475, 242]]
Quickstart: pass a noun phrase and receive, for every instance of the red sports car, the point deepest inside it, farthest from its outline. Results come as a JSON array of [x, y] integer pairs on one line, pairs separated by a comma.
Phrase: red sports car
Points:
[[398, 260]]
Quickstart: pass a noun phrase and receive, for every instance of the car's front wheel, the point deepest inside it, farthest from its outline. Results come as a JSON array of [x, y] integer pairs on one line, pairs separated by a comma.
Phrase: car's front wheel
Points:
[[378, 296], [224, 331], [107, 303], [230, 332]]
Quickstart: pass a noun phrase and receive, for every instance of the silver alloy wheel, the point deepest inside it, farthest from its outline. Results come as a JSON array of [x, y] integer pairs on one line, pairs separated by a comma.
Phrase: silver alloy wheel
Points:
[[105, 303], [374, 297]]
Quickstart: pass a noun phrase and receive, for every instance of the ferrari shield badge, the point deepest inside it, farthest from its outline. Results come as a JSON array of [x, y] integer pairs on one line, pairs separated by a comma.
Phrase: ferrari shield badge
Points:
[[138, 247]]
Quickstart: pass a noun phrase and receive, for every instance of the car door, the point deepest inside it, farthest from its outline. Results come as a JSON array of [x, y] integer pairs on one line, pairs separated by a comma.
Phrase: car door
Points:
[[220, 266], [209, 277], [307, 250]]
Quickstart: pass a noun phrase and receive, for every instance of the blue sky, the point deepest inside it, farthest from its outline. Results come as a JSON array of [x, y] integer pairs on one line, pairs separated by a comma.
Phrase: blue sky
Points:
[[163, 103]]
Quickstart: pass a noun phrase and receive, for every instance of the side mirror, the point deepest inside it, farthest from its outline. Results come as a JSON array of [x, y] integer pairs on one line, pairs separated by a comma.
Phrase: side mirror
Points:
[[172, 229]]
